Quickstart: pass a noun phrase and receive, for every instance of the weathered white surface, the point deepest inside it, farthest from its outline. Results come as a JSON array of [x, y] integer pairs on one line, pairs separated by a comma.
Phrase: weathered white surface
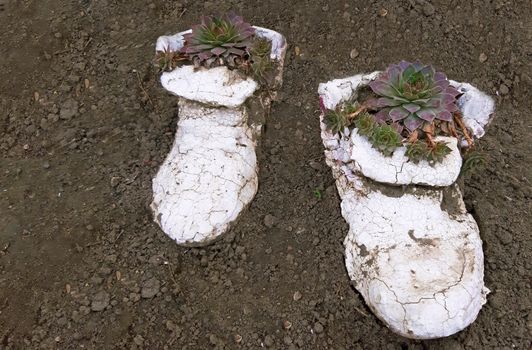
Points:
[[341, 90], [418, 267], [398, 170], [420, 270], [210, 174], [208, 177], [217, 86], [171, 42], [477, 108]]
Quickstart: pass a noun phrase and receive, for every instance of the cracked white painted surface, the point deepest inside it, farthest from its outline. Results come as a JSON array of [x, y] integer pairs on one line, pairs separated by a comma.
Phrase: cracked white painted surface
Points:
[[208, 177], [419, 267], [217, 86], [398, 170], [210, 174]]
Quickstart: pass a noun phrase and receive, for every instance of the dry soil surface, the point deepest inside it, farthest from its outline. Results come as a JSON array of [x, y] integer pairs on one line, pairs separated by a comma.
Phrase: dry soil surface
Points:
[[84, 125]]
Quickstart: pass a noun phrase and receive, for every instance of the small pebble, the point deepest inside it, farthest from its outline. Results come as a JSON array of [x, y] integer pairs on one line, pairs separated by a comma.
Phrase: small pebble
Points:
[[318, 328], [100, 301], [483, 57], [269, 221], [268, 340], [428, 9], [287, 324], [150, 288], [297, 296], [503, 89], [354, 53]]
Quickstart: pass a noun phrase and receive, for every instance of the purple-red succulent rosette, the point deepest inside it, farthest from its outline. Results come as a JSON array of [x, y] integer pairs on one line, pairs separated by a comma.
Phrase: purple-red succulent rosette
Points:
[[413, 94]]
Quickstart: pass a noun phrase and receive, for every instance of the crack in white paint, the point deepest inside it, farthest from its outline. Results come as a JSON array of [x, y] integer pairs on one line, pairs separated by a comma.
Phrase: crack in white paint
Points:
[[211, 172], [418, 267]]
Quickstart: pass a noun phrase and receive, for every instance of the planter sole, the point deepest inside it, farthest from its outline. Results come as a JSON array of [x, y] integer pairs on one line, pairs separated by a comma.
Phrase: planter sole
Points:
[[211, 172], [414, 252]]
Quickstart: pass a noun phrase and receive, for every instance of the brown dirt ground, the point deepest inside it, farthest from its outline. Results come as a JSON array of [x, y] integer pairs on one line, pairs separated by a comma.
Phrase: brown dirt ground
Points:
[[77, 161]]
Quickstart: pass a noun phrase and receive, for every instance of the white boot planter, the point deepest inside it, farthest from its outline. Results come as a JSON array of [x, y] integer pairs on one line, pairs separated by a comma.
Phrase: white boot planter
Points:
[[393, 142], [225, 73]]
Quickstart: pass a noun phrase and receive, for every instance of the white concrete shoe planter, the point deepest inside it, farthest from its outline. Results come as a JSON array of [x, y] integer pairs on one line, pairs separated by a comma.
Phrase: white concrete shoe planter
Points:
[[414, 252], [211, 172]]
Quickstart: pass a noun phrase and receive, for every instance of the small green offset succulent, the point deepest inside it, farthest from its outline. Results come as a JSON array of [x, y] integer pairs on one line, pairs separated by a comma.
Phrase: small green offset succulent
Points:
[[365, 124], [438, 152], [261, 63], [417, 151], [336, 121], [218, 41], [473, 161], [386, 139]]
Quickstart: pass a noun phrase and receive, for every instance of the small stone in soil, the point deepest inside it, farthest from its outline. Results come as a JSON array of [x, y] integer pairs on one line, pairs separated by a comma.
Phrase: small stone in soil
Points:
[[139, 340], [150, 288], [297, 296], [503, 89], [269, 221], [268, 340], [318, 328], [428, 9], [69, 109], [483, 57], [100, 301], [354, 53]]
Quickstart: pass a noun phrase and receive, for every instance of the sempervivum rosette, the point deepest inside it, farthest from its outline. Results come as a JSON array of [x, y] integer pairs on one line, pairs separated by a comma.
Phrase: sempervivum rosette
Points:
[[219, 40], [413, 94]]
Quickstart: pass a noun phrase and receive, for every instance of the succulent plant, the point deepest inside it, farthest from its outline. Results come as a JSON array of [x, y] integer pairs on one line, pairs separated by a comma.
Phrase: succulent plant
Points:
[[413, 94], [336, 121], [386, 139], [365, 124], [261, 63], [417, 151], [219, 40], [168, 60], [473, 161], [438, 152]]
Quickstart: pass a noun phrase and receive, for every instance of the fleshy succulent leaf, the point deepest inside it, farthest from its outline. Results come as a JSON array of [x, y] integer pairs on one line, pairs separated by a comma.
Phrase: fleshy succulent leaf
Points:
[[473, 161], [412, 122], [426, 114], [398, 113]]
